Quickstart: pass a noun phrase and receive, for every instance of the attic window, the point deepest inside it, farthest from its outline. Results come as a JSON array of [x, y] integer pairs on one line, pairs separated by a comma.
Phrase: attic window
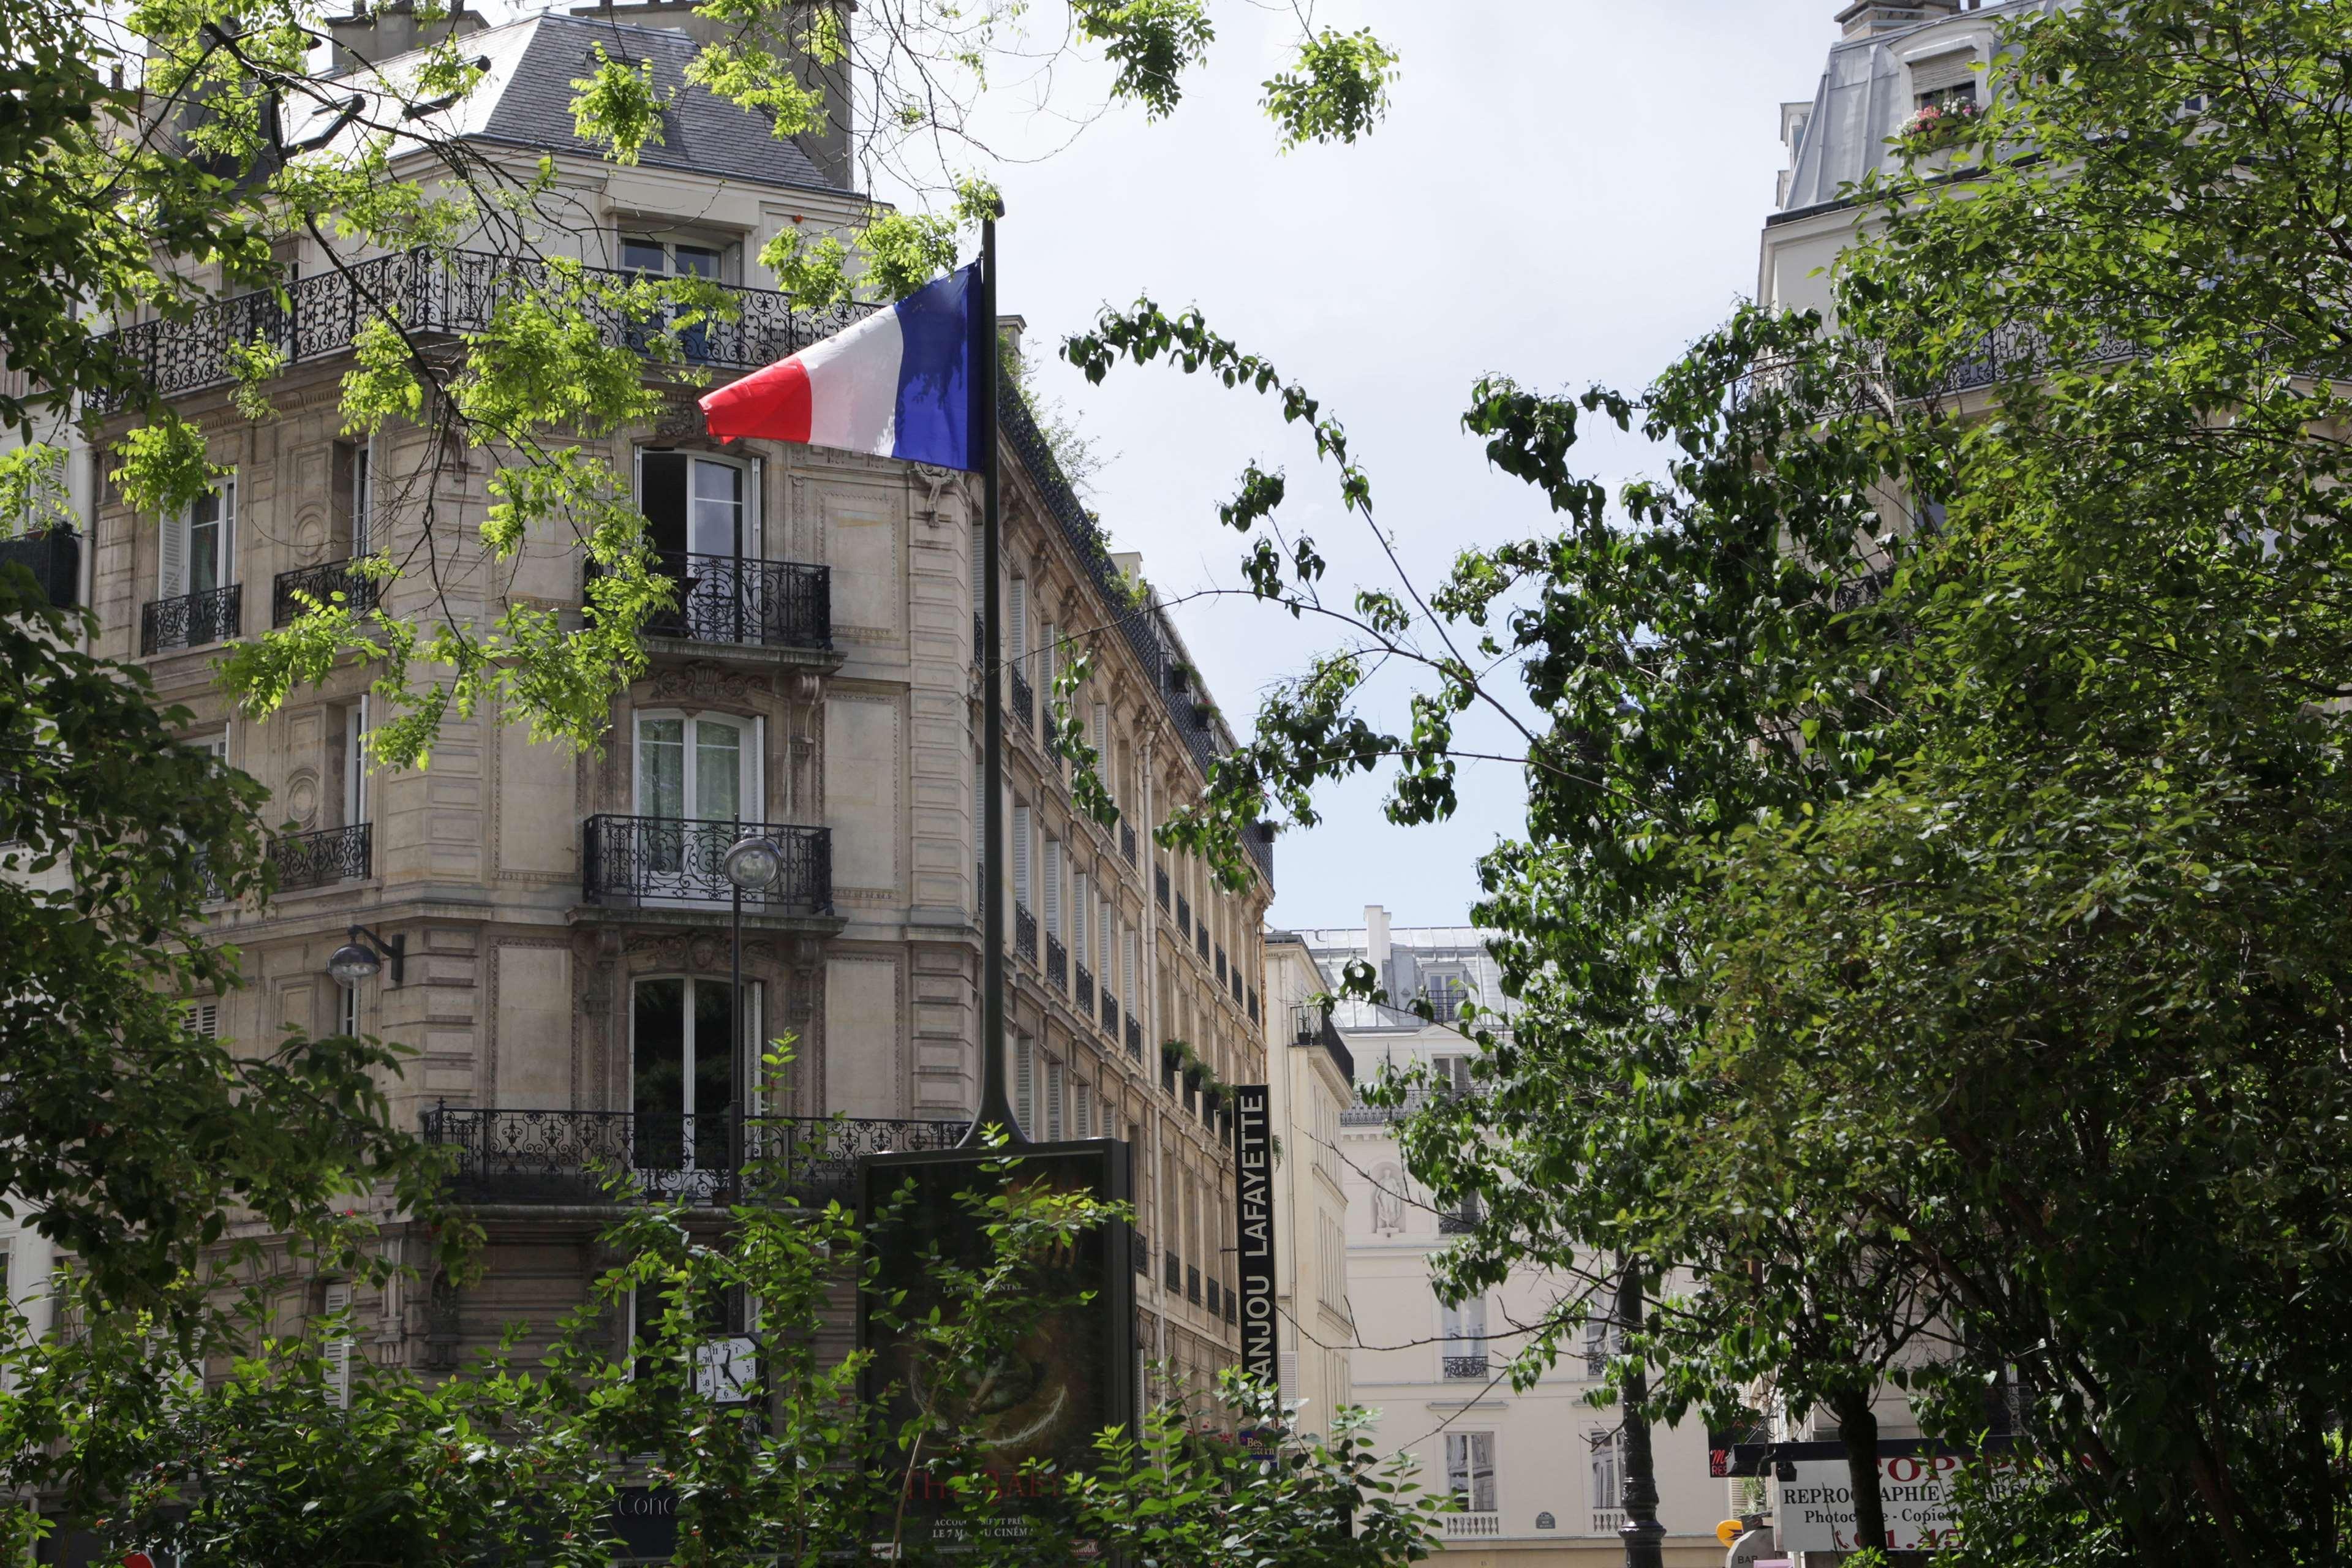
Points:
[[1943, 80]]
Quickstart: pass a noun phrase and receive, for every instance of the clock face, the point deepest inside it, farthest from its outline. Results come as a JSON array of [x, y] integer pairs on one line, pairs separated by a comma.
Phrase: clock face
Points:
[[1045, 1384]]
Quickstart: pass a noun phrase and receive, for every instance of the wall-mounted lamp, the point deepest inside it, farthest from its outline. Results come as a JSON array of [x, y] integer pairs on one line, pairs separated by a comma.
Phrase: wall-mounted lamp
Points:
[[361, 958]]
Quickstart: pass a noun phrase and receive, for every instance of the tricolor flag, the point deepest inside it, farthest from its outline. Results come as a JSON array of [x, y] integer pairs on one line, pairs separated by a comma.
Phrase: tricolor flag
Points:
[[897, 385]]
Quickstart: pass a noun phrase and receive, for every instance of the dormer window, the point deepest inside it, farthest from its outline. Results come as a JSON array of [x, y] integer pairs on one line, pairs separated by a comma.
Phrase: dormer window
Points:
[[1946, 82]]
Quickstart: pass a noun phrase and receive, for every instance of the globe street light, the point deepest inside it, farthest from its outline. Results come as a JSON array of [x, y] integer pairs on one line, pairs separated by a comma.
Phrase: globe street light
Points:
[[363, 955], [753, 864]]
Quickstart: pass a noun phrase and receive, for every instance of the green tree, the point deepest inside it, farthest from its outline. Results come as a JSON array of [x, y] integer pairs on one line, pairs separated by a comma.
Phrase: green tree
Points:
[[1936, 796]]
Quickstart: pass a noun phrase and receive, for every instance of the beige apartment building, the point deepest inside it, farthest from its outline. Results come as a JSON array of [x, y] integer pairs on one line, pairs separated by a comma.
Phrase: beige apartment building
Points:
[[555, 928], [1310, 1080], [1538, 1476]]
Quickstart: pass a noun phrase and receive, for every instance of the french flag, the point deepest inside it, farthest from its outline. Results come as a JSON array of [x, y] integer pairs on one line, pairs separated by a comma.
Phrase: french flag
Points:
[[897, 385]]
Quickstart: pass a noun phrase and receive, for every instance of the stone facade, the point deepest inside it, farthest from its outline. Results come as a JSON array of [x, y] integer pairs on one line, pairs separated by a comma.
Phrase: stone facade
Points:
[[565, 940]]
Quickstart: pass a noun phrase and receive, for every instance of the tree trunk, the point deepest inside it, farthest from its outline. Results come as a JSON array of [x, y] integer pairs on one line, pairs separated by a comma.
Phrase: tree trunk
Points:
[[1858, 1429]]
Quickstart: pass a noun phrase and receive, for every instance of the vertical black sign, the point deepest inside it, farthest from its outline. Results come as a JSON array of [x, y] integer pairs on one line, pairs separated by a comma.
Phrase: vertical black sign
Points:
[[1071, 1375], [1253, 1206]]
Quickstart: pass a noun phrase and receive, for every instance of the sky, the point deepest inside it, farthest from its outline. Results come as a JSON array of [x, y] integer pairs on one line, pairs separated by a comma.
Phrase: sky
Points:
[[1564, 192]]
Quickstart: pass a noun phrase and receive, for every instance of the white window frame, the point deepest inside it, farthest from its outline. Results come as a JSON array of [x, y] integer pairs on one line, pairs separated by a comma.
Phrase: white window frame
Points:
[[175, 545], [1470, 1459], [751, 785], [355, 771]]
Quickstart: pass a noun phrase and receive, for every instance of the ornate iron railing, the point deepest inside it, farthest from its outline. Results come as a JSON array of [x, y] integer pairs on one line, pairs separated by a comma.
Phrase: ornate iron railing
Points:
[[1084, 989], [1024, 700], [1217, 1298], [1460, 1220], [641, 861], [1233, 1306], [321, 583], [1109, 1010], [1126, 841], [576, 1156], [192, 620], [1139, 1253], [54, 558], [1184, 915], [1135, 1036], [1159, 884], [1250, 1005], [330, 855], [1313, 1026], [1221, 968], [1466, 1366], [437, 296], [1025, 933], [1193, 1284], [1057, 963], [753, 604], [1201, 939], [1175, 1273]]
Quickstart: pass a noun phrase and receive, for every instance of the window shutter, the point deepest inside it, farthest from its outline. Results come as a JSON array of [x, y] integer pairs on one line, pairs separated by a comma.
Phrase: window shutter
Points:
[[338, 1351], [363, 496], [1016, 629], [203, 1018], [1047, 652], [1081, 918], [1053, 1101], [1286, 1375], [755, 511], [228, 530], [1020, 857], [1943, 70], [1052, 892], [1083, 1112], [1105, 953], [172, 556], [1102, 741], [1024, 1084]]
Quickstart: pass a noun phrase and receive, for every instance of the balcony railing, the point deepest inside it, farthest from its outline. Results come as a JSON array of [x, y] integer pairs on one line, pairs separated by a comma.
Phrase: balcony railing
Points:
[[1201, 939], [1159, 884], [322, 583], [1193, 1284], [1139, 1253], [1024, 701], [1184, 915], [1175, 1274], [1025, 933], [1460, 1220], [729, 599], [1110, 1012], [979, 640], [331, 855], [192, 620], [1135, 1036], [1608, 1520], [437, 297], [1216, 1299], [1085, 990], [1466, 1366], [1313, 1026], [1233, 1306], [650, 862], [579, 1156], [1126, 841], [1057, 963], [1221, 969], [54, 558], [1471, 1526]]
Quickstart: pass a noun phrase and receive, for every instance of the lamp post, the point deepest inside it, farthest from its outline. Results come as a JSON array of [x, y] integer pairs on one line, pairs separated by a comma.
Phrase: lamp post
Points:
[[752, 864], [1644, 1536], [362, 955]]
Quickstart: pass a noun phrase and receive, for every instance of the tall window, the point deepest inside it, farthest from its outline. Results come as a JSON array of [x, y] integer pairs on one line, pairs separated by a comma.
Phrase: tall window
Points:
[[1464, 1330], [1470, 1470], [695, 504], [198, 546], [698, 766], [355, 778], [1608, 1471], [681, 1057]]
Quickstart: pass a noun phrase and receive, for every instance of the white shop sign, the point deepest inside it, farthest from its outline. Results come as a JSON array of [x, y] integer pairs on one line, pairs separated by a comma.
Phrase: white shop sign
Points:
[[1816, 1507]]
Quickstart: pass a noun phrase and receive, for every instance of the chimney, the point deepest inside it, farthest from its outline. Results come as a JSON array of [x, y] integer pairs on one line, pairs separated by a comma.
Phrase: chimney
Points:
[[1376, 937], [1868, 18], [389, 28]]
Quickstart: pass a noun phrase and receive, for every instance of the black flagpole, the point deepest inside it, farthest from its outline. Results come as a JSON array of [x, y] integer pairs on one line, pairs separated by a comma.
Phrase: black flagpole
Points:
[[995, 1107]]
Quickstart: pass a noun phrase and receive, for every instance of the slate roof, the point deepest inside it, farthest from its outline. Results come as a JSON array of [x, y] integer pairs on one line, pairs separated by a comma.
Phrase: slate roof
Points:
[[525, 100], [1863, 100]]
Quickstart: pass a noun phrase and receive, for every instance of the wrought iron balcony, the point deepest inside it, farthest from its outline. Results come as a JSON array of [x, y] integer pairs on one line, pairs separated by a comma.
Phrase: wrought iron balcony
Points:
[[1175, 1274], [1184, 915], [1251, 1005], [1135, 1036], [1057, 963], [439, 297], [728, 599], [1085, 991], [54, 559], [1217, 1298], [1139, 1253], [1126, 841], [650, 862], [1466, 1366], [1221, 968], [331, 855], [1024, 700], [322, 583], [979, 640], [1313, 1026], [1159, 884], [1460, 1220], [581, 1156], [1233, 1306], [1110, 1012], [1201, 939], [1235, 983], [192, 620], [1193, 1284], [1025, 933]]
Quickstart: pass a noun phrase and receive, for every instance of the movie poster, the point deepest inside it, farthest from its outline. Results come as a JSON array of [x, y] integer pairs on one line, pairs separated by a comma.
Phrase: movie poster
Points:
[[1070, 1374]]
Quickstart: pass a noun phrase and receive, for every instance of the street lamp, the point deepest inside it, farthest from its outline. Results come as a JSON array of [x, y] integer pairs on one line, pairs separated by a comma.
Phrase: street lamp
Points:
[[363, 955], [753, 864], [1644, 1536]]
